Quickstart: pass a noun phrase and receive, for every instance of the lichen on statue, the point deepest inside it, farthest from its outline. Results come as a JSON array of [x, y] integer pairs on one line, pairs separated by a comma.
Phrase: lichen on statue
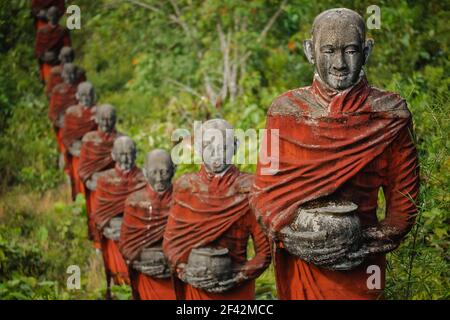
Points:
[[340, 140]]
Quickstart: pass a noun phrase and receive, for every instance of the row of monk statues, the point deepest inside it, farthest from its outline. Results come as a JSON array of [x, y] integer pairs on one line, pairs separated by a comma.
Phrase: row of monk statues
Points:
[[315, 217]]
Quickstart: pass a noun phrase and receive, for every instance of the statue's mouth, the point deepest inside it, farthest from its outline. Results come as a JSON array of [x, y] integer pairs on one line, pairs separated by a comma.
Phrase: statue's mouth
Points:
[[340, 76]]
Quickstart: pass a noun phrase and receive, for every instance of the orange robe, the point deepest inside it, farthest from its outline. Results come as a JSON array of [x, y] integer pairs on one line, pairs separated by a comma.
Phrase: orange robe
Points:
[[50, 38], [347, 145], [213, 210], [63, 97], [78, 121], [144, 222], [95, 156], [113, 188]]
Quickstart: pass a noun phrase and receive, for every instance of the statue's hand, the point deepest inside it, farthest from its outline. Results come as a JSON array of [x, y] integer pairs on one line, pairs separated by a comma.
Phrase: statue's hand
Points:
[[380, 239], [228, 284], [180, 270]]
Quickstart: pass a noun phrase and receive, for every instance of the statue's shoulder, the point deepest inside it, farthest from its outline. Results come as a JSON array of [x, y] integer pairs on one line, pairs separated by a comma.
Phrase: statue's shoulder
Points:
[[56, 70], [91, 136], [386, 101], [107, 175], [135, 198], [185, 183], [76, 110], [291, 103], [59, 88]]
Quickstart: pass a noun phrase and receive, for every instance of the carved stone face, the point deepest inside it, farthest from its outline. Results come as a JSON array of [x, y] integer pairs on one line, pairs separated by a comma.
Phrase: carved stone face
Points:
[[66, 55], [106, 118], [69, 73], [86, 94], [124, 153], [338, 48], [218, 145], [159, 170], [53, 15]]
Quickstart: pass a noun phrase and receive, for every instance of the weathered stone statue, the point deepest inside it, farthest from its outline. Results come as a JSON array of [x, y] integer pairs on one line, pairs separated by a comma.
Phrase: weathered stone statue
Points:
[[66, 55], [49, 41], [144, 222], [95, 157], [113, 188], [340, 141], [78, 120], [63, 97], [39, 10], [211, 222]]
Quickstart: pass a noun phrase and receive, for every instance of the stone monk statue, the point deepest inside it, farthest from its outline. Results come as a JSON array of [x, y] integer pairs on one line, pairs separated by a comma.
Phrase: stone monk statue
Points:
[[49, 41], [39, 10], [113, 188], [63, 96], [66, 55], [144, 222], [95, 157], [210, 224], [78, 120], [340, 141]]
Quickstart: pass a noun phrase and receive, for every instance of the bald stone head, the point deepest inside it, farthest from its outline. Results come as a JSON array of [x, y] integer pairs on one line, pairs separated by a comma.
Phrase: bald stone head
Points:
[[338, 47], [53, 15], [106, 118], [86, 94], [218, 145], [66, 55], [69, 73], [159, 169], [124, 153]]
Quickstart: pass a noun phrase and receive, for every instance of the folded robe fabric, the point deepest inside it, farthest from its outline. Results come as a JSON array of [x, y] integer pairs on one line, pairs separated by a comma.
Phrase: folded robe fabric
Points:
[[343, 144], [144, 222], [213, 210]]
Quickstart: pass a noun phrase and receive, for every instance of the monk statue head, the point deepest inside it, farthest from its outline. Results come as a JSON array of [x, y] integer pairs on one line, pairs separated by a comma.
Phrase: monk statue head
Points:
[[338, 47], [66, 55], [106, 118], [218, 145], [53, 15], [124, 153], [159, 169], [86, 94], [69, 73]]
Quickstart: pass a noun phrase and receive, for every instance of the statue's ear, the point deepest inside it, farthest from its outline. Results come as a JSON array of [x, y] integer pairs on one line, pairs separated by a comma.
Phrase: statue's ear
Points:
[[368, 49], [113, 155], [309, 51]]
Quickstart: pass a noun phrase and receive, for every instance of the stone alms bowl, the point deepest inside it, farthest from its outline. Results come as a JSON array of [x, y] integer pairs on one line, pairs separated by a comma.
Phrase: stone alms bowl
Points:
[[209, 262], [337, 223]]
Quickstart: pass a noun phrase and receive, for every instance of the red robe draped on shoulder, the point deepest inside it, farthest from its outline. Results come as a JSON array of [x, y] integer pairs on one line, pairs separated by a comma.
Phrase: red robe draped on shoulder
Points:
[[50, 38], [95, 156], [55, 78], [347, 144], [144, 222], [213, 210], [113, 188], [63, 97], [78, 121]]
